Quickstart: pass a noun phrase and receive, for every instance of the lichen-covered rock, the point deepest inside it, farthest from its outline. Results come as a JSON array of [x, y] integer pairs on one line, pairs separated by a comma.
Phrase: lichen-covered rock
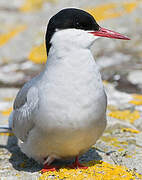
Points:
[[117, 154]]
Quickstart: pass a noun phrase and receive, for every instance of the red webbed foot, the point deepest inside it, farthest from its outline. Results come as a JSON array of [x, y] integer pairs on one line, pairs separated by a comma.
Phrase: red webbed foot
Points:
[[77, 164], [48, 168]]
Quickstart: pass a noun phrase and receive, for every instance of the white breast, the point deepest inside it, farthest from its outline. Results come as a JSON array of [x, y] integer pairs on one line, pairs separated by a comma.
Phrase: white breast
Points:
[[72, 103]]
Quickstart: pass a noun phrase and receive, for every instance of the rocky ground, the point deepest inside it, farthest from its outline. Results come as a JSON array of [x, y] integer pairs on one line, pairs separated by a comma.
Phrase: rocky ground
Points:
[[117, 154]]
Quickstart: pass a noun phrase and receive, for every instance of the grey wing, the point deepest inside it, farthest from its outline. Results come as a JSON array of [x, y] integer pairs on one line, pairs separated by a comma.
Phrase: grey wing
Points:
[[25, 105]]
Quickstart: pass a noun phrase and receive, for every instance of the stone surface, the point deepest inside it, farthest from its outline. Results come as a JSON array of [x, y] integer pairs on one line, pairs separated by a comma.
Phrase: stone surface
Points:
[[117, 154]]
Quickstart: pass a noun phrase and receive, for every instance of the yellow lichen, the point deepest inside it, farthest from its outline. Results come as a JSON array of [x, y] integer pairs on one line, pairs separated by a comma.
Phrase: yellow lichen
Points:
[[6, 134], [138, 21], [38, 54], [130, 130], [33, 5], [104, 11], [4, 38], [112, 10], [137, 99], [136, 102], [105, 82], [121, 149], [128, 156], [111, 108], [109, 139], [8, 99], [125, 115], [96, 170], [7, 111], [129, 7], [113, 141]]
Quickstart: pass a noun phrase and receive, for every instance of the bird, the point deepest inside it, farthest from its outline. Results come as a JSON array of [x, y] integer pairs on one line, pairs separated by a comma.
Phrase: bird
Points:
[[61, 112]]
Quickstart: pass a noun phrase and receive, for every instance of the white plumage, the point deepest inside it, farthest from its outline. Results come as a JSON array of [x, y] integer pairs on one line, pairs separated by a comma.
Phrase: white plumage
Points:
[[62, 112]]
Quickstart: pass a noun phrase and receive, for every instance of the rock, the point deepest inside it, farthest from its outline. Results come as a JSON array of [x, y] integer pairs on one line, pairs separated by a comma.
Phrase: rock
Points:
[[135, 77]]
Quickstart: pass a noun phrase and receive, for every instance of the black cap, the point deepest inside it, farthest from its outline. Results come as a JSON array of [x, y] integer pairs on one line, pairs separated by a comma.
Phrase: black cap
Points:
[[70, 18]]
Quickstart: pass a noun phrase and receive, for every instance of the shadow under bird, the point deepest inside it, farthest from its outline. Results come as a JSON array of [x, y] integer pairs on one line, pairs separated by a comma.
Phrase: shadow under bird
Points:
[[61, 112]]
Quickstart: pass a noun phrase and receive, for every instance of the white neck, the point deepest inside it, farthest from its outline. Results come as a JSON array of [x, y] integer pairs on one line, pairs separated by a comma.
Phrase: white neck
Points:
[[71, 46], [72, 65], [72, 75]]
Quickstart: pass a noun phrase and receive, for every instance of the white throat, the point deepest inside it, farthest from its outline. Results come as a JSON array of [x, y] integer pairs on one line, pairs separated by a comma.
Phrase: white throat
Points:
[[72, 38], [71, 43]]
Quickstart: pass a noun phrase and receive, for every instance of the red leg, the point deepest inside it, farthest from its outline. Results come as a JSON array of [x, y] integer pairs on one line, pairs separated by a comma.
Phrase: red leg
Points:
[[77, 164], [47, 168]]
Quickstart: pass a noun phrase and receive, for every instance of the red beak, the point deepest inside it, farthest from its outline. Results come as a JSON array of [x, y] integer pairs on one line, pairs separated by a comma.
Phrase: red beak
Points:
[[109, 34]]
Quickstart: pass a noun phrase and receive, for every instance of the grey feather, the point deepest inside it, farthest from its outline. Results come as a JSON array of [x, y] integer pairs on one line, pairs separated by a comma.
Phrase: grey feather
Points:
[[22, 121], [22, 94]]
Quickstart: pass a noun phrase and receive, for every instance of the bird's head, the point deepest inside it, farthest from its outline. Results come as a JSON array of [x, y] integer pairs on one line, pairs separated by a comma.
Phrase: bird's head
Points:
[[77, 26]]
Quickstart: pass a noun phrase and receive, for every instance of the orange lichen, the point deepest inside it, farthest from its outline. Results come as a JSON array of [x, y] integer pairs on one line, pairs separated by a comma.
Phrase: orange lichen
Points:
[[4, 38], [96, 170], [137, 99], [125, 115]]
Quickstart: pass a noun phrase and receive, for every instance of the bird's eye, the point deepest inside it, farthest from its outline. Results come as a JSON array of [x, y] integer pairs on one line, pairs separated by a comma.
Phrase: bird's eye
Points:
[[78, 25]]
